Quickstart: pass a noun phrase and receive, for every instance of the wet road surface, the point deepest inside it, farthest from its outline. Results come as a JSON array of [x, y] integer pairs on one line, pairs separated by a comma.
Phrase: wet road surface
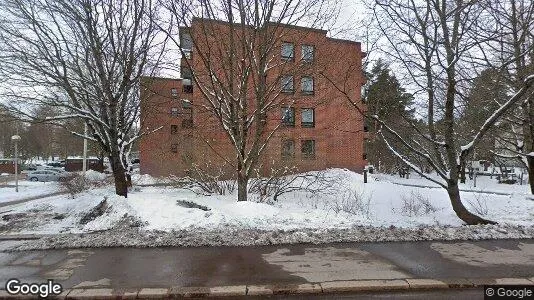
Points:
[[163, 267]]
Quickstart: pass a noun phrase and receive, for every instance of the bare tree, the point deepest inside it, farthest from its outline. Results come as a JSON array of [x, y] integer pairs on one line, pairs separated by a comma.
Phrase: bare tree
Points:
[[84, 58], [436, 43], [236, 68], [515, 20]]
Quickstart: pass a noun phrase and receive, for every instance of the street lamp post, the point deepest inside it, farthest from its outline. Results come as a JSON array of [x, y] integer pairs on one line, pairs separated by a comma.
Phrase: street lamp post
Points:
[[16, 139], [84, 163]]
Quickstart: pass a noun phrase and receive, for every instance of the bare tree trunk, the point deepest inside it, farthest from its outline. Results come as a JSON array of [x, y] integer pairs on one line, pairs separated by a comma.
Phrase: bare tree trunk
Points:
[[119, 174], [459, 208], [529, 140], [242, 182], [530, 161]]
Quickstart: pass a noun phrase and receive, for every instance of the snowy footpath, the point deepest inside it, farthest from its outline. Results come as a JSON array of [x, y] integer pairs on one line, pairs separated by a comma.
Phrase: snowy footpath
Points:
[[384, 209], [27, 189]]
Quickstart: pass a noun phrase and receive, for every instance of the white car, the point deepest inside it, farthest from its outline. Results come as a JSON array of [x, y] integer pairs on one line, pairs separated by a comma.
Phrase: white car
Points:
[[46, 175]]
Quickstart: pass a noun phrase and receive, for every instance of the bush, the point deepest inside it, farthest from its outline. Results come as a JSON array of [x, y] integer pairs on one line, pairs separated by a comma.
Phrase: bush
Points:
[[416, 204], [353, 202], [280, 181], [75, 183], [479, 204], [209, 179]]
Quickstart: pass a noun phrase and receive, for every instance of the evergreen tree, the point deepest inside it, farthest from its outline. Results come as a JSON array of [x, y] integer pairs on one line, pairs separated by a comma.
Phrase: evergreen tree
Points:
[[387, 99]]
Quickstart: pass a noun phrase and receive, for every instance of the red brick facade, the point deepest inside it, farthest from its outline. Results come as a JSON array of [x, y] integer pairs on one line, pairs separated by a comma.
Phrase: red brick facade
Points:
[[189, 134]]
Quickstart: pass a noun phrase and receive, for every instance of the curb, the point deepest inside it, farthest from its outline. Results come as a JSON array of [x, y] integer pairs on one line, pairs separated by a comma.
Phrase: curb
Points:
[[20, 237], [331, 287]]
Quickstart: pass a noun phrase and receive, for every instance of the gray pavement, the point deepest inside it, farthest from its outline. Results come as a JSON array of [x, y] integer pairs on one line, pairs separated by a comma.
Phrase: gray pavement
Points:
[[451, 294], [120, 268]]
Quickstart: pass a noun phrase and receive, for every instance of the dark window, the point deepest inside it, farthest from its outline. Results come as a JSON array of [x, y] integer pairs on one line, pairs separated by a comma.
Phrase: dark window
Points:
[[174, 129], [288, 149], [306, 85], [188, 89], [288, 51], [308, 148], [187, 86], [308, 117], [174, 92], [174, 111], [187, 121], [174, 148], [288, 116], [308, 52], [365, 125], [287, 84]]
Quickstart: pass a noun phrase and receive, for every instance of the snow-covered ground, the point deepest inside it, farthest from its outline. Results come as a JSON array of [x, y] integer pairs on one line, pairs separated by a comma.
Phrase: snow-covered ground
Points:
[[484, 183], [348, 203], [27, 189]]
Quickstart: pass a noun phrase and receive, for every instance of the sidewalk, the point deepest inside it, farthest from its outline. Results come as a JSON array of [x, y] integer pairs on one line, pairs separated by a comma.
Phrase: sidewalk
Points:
[[274, 270], [36, 197], [362, 286]]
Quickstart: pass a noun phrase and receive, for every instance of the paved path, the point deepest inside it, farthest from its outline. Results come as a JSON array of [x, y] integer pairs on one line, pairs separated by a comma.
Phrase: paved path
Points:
[[19, 201], [286, 264]]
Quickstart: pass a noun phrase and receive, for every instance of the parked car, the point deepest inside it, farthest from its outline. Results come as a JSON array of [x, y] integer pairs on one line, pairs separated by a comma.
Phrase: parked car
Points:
[[57, 164], [46, 175], [58, 170]]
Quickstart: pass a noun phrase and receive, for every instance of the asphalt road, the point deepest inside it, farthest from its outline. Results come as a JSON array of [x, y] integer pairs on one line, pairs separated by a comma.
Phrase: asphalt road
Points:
[[284, 264]]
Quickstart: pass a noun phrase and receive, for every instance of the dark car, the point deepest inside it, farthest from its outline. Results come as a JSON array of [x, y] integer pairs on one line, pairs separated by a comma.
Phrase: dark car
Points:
[[57, 164]]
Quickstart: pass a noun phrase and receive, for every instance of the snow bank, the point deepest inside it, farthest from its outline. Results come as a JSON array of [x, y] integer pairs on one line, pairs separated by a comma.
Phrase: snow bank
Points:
[[347, 208], [93, 175]]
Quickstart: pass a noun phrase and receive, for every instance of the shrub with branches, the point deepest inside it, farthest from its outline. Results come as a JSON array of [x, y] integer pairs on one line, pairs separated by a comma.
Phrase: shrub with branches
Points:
[[354, 202], [76, 183], [285, 180], [416, 204], [479, 204], [210, 179]]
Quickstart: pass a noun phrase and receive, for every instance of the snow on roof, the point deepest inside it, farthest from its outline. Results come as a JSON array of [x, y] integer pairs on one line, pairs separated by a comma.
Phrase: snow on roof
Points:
[[81, 157]]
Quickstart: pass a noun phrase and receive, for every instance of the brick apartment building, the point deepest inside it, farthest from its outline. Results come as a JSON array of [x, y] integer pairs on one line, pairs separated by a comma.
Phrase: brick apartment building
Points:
[[318, 127]]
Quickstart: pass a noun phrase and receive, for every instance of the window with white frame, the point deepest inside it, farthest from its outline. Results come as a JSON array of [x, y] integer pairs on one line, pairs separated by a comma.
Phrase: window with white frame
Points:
[[308, 53], [288, 51], [308, 117], [287, 84], [288, 116], [306, 85]]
